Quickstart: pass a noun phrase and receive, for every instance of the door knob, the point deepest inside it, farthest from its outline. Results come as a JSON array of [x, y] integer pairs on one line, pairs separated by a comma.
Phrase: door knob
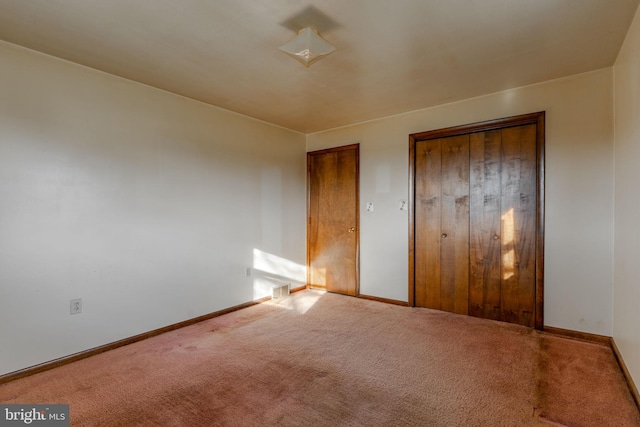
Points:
[[444, 235], [352, 229], [496, 237]]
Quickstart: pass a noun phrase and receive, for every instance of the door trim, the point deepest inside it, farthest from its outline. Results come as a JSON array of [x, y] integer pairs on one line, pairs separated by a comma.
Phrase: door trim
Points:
[[355, 147], [534, 118]]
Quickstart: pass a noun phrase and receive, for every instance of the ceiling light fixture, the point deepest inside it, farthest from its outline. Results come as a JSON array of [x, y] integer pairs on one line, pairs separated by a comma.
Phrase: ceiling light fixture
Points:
[[307, 47]]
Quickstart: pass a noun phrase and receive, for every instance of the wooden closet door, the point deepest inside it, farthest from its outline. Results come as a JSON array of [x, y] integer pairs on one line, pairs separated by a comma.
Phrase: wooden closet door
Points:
[[454, 251], [502, 242], [477, 224], [428, 211], [485, 255], [518, 226], [442, 210]]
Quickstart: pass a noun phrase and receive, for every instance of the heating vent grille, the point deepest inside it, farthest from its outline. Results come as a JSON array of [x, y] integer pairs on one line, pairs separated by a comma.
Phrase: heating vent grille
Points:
[[280, 291]]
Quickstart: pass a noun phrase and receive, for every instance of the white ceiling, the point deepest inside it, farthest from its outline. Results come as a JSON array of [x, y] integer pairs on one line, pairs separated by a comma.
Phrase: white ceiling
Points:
[[392, 57]]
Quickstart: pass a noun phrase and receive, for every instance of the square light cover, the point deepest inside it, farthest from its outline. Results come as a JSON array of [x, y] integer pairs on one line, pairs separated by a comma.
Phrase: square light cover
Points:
[[307, 47]]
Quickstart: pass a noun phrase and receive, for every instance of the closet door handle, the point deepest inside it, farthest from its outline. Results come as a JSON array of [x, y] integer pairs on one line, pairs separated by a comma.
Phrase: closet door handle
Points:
[[352, 230]]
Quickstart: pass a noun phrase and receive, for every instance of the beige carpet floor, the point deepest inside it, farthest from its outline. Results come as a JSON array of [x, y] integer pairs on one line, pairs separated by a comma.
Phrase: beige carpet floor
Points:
[[319, 359]]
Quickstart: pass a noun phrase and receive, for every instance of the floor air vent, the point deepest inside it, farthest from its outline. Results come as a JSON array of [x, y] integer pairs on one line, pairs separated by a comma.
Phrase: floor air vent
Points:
[[280, 291]]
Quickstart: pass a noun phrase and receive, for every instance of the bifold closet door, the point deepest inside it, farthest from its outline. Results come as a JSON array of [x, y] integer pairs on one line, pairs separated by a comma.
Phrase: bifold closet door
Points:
[[502, 242], [475, 224], [485, 248], [442, 212]]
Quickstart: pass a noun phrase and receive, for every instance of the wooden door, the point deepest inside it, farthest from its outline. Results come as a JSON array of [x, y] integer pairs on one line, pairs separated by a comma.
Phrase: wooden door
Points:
[[503, 224], [442, 210], [332, 228], [477, 225], [485, 251]]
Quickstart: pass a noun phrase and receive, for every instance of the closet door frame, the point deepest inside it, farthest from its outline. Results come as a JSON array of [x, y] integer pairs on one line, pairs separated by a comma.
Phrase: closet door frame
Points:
[[534, 118]]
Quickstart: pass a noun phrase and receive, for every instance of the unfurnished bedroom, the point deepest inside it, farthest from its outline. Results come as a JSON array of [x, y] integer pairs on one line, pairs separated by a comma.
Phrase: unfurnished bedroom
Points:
[[357, 213]]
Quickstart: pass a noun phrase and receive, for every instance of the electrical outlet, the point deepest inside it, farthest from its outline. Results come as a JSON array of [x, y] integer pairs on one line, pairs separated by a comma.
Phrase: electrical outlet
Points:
[[75, 306], [403, 205], [247, 272]]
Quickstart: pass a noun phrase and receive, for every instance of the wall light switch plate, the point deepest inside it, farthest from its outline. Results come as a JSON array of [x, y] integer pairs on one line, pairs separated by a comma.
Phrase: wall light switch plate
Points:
[[403, 205], [369, 206]]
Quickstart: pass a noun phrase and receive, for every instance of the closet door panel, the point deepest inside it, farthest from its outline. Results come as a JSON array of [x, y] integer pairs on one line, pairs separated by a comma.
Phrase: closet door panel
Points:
[[478, 219], [454, 248], [518, 236], [485, 275], [427, 217]]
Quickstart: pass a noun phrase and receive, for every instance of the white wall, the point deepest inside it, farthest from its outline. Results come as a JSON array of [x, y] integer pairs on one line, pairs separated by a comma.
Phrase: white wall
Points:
[[146, 205], [579, 192], [626, 320]]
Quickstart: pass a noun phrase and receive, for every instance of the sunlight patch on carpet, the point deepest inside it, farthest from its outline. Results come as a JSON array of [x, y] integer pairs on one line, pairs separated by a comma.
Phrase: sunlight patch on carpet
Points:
[[302, 303]]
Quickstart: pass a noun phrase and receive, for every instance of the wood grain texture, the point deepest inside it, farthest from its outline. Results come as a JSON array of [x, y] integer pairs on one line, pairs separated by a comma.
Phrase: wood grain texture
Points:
[[454, 247], [485, 271], [428, 230], [333, 220], [518, 224], [506, 221]]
